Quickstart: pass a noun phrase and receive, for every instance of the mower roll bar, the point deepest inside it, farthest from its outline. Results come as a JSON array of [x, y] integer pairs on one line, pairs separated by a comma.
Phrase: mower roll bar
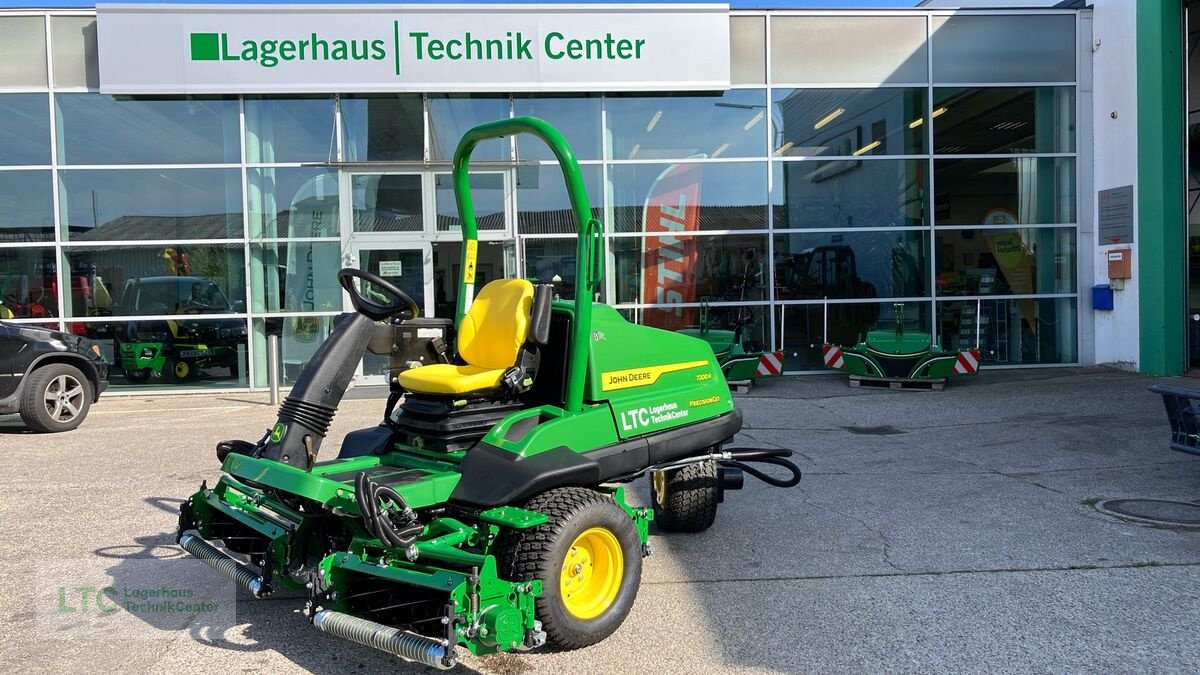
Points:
[[589, 261]]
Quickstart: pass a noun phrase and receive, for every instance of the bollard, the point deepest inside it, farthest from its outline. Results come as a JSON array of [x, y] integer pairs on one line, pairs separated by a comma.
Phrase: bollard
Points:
[[273, 367]]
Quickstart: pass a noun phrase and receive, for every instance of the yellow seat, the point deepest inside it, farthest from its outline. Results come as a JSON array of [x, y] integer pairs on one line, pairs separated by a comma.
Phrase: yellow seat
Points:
[[489, 341]]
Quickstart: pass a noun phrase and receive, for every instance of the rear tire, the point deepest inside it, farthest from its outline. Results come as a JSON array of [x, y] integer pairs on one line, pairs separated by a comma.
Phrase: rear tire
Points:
[[584, 601], [180, 370], [685, 499], [56, 398]]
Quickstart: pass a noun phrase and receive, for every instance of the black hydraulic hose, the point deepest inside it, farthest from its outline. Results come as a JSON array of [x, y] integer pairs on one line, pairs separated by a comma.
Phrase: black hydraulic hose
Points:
[[793, 481], [378, 522], [740, 457]]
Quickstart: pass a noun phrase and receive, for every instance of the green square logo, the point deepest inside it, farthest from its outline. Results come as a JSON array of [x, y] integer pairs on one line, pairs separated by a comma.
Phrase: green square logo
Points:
[[206, 47]]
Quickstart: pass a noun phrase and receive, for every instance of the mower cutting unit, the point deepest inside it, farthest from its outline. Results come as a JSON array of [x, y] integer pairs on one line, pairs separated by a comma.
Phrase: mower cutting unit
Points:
[[739, 361], [487, 509]]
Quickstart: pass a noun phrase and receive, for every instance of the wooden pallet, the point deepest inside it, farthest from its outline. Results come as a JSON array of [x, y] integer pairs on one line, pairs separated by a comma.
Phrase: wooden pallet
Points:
[[740, 386], [897, 383]]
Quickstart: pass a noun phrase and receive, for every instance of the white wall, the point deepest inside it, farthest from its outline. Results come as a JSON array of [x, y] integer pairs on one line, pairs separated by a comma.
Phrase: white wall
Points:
[[1113, 84]]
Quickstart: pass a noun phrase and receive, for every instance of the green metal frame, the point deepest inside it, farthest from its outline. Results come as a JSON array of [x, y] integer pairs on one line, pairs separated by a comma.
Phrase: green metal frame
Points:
[[589, 253]]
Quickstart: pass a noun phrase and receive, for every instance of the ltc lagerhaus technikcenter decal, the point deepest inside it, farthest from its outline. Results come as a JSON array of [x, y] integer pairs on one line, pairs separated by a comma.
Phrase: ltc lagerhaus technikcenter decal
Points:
[[364, 48]]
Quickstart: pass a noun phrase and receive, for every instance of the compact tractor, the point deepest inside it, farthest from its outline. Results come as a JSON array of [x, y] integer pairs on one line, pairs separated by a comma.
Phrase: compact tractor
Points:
[[488, 509]]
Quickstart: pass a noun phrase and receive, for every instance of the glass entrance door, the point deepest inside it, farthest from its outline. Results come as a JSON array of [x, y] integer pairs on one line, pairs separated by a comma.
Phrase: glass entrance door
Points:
[[410, 268]]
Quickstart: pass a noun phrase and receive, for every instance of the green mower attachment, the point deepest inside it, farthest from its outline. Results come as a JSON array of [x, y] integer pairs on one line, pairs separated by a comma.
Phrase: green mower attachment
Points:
[[488, 508]]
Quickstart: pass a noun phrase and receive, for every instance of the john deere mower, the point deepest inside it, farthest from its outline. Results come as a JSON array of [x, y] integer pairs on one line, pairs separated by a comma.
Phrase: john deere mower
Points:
[[488, 509]]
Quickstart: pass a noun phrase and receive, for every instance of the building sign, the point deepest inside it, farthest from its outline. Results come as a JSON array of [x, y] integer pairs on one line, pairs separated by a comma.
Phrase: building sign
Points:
[[181, 49], [1115, 209]]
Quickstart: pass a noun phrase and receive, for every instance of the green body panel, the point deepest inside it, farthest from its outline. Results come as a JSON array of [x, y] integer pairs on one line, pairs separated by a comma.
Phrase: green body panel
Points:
[[653, 379], [891, 342], [435, 486], [587, 430]]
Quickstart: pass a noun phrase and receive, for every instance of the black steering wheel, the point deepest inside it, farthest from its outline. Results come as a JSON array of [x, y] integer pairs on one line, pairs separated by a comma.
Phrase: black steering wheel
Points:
[[406, 308]]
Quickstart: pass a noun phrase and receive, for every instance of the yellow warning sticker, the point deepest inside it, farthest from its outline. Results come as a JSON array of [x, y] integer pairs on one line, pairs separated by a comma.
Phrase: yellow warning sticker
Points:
[[472, 253], [641, 377]]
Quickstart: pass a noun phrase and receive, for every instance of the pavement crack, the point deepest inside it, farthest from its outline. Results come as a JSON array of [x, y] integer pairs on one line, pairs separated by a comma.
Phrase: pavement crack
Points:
[[886, 544]]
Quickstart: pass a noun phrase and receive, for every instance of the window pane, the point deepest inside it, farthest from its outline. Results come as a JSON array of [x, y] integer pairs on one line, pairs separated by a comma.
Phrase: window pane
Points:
[[1004, 262], [300, 336], [1027, 191], [293, 202], [180, 354], [542, 203], [805, 328], [97, 129], [144, 280], [387, 203], [76, 61], [847, 122], [848, 49], [295, 277], [747, 50], [28, 283], [124, 205], [552, 261], [850, 193], [452, 115], [816, 265], [682, 126], [576, 117], [1012, 48], [696, 196], [1004, 119], [383, 128], [22, 51], [289, 130], [1012, 332], [26, 207], [671, 270], [24, 129], [487, 194]]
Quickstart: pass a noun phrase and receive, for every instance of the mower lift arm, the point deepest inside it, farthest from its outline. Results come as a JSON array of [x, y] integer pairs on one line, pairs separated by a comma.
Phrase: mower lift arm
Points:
[[589, 261]]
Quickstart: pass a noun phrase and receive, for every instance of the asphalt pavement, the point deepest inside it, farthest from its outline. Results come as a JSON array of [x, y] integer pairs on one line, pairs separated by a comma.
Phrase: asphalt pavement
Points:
[[947, 531]]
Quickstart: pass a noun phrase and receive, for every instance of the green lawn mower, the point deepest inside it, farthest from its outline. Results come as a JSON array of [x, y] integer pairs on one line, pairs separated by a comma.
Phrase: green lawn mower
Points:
[[488, 509], [179, 352]]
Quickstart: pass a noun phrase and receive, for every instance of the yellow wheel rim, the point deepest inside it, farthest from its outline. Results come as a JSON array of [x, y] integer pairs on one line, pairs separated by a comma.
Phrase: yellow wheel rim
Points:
[[659, 479], [591, 573], [181, 369]]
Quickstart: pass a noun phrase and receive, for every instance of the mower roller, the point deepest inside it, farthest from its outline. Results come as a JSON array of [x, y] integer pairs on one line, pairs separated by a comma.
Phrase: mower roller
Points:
[[488, 509]]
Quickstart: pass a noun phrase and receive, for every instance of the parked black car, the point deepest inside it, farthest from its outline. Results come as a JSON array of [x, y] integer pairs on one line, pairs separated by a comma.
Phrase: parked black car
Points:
[[51, 378]]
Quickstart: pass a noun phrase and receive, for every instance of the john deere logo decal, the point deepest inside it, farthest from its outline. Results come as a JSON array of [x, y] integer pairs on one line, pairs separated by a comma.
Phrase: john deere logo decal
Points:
[[277, 432]]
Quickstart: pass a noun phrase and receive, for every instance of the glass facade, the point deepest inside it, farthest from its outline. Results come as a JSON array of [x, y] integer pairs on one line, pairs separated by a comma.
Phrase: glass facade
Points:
[[863, 170]]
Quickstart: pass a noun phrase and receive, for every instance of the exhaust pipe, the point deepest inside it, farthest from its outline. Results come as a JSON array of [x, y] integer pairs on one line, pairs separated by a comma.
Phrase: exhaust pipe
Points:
[[241, 574], [405, 644]]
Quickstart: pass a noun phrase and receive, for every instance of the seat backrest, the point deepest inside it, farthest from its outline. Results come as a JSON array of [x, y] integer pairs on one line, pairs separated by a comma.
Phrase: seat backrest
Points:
[[497, 325]]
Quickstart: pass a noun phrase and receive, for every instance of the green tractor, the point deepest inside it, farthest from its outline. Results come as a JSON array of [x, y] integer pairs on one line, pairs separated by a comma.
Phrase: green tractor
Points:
[[488, 509]]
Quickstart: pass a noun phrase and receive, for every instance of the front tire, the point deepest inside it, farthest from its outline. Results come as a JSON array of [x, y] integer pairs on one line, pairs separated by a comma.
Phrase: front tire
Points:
[[56, 398], [588, 558], [685, 499], [138, 376]]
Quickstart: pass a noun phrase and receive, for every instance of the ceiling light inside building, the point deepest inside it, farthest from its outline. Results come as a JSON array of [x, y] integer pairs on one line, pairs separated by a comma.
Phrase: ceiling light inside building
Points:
[[939, 112], [829, 118], [653, 121], [784, 148], [754, 121], [718, 151], [916, 123], [634, 151], [867, 148]]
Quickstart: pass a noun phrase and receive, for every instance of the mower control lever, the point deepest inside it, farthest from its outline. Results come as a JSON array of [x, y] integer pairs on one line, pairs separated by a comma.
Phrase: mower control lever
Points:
[[371, 309]]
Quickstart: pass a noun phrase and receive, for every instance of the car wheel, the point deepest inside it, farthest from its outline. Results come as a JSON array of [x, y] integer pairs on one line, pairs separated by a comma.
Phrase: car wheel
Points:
[[56, 398]]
